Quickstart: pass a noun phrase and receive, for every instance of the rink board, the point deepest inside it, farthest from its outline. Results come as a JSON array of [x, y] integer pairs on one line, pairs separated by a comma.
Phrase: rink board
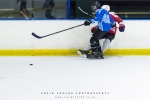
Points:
[[73, 52], [16, 38]]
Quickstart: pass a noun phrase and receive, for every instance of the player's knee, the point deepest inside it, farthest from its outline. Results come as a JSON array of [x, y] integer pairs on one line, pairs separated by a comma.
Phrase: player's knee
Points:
[[93, 41]]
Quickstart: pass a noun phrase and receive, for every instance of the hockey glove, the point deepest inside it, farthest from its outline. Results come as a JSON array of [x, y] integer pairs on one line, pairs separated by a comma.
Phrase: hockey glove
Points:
[[87, 22], [94, 29], [121, 28]]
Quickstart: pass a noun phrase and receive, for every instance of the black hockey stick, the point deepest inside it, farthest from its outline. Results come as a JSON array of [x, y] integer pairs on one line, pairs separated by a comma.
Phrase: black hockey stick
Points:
[[84, 11], [39, 37]]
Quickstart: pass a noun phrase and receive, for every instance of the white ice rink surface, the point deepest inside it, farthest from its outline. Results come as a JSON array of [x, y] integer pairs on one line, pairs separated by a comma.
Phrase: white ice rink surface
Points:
[[122, 78]]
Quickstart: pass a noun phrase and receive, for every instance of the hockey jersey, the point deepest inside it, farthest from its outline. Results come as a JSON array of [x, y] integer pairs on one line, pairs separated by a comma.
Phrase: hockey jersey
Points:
[[117, 19], [104, 20]]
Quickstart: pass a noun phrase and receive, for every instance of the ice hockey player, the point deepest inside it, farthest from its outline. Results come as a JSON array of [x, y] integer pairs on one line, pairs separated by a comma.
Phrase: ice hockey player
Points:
[[109, 36], [48, 6], [105, 23], [23, 9]]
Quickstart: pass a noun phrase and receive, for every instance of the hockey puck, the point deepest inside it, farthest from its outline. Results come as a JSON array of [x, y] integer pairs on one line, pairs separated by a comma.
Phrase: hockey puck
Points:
[[31, 64]]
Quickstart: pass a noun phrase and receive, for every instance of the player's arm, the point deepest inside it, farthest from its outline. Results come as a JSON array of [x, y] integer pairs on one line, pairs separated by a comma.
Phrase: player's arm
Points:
[[112, 22], [99, 17], [121, 24], [117, 19]]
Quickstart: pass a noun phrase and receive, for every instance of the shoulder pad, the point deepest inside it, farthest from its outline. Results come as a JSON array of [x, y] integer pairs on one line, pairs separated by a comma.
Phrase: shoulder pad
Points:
[[113, 13]]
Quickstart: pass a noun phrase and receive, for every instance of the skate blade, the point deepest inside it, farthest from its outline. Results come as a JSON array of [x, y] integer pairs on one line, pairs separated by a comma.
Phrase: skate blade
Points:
[[100, 58], [89, 57], [82, 55]]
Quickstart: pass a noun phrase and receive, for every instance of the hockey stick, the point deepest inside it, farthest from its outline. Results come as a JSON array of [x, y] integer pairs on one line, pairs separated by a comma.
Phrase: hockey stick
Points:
[[84, 11], [39, 37]]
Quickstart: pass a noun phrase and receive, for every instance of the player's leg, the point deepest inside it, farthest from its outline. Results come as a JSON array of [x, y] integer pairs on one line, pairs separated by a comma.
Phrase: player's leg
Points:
[[86, 50], [106, 44], [48, 5], [48, 14], [95, 45], [22, 13], [108, 38], [25, 8]]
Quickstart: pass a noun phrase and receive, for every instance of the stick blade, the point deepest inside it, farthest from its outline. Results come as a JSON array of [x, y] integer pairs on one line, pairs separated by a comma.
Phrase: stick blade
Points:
[[36, 35]]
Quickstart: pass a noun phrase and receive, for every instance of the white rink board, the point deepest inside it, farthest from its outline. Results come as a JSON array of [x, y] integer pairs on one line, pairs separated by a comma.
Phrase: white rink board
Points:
[[16, 34]]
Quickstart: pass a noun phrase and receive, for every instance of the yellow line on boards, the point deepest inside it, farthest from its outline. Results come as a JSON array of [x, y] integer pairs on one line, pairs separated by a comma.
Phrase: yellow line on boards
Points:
[[72, 52]]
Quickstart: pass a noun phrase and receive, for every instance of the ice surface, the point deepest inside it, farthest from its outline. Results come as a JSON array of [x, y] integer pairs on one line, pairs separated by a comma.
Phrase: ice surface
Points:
[[119, 78]]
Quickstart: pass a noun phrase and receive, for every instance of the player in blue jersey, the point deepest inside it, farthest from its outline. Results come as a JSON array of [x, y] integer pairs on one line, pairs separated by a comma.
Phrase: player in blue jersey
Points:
[[48, 5], [105, 23]]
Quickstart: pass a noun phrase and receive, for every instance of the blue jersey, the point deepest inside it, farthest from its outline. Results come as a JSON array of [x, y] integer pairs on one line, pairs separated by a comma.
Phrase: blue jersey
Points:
[[104, 20]]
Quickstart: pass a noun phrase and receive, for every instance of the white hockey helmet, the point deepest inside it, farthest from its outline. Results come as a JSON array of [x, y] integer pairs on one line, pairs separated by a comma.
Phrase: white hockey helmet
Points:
[[106, 7]]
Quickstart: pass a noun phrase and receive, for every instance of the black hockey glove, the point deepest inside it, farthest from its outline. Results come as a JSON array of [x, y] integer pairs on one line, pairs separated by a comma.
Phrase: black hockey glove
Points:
[[87, 22]]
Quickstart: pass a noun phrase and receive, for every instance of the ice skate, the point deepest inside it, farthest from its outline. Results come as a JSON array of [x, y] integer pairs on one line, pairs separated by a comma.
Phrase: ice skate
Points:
[[83, 53], [100, 55], [93, 55]]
